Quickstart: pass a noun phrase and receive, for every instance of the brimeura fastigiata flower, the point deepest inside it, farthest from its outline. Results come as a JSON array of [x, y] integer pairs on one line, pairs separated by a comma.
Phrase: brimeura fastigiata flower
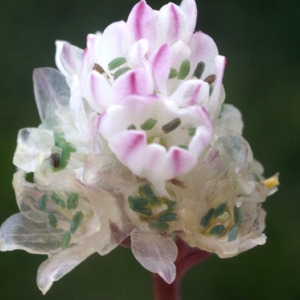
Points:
[[135, 143]]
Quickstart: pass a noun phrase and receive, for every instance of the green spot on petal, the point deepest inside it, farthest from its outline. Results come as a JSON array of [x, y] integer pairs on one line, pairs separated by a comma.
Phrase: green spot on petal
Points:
[[206, 219], [199, 69], [117, 62], [173, 73], [149, 124], [192, 131], [72, 201], [184, 69], [76, 221], [66, 240], [58, 200], [171, 125], [52, 220], [120, 72], [158, 226], [232, 234], [217, 230], [42, 203], [238, 216], [220, 209]]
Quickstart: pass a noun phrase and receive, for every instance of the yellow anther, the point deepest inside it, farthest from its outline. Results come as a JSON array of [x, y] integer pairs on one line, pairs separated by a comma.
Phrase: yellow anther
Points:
[[272, 181]]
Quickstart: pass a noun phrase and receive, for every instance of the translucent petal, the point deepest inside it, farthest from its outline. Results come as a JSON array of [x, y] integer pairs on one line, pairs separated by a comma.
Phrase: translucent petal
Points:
[[68, 58], [156, 253], [51, 91], [58, 265], [33, 145], [30, 233]]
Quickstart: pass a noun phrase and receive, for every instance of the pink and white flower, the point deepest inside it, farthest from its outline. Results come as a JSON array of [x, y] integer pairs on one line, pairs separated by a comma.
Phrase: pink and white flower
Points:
[[135, 142]]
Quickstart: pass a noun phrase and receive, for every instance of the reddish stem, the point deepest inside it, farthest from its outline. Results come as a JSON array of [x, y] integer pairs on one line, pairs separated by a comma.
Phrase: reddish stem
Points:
[[186, 258]]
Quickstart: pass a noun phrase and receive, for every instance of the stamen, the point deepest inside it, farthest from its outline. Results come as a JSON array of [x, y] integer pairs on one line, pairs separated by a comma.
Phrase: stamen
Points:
[[115, 63], [42, 203], [185, 147], [171, 125], [232, 234], [56, 199], [220, 209], [192, 131], [52, 220], [76, 221], [98, 68], [66, 240], [184, 69], [210, 79], [120, 72], [272, 181], [199, 69], [158, 226], [131, 127], [137, 201], [148, 193], [173, 73], [167, 217], [72, 201], [238, 217], [217, 230], [149, 124], [206, 219], [55, 160]]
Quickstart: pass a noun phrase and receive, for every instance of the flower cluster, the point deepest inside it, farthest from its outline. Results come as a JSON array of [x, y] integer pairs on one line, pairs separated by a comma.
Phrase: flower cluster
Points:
[[135, 142]]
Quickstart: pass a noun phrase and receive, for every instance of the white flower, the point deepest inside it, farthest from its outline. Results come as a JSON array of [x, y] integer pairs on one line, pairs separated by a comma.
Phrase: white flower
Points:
[[135, 141]]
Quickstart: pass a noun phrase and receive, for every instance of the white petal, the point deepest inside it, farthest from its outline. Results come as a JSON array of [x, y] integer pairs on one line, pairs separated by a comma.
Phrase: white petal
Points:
[[156, 253], [51, 91], [58, 265]]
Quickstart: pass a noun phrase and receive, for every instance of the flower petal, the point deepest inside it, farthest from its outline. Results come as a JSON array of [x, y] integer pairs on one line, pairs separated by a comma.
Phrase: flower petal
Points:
[[142, 22], [161, 65], [51, 91], [68, 58], [156, 253], [58, 265]]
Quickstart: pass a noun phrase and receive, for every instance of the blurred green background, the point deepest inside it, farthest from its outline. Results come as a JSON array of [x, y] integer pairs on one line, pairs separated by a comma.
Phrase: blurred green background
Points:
[[261, 40]]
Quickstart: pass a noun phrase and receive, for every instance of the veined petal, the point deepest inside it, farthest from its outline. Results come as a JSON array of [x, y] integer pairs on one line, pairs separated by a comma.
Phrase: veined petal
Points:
[[161, 65], [68, 58], [33, 144], [156, 253], [51, 91], [142, 22], [113, 43], [59, 264], [173, 24], [135, 82], [191, 92], [98, 92], [190, 9]]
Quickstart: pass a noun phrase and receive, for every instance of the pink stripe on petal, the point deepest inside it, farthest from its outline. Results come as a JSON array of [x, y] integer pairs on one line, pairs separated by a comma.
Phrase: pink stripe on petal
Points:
[[195, 95], [175, 21], [142, 21], [161, 65]]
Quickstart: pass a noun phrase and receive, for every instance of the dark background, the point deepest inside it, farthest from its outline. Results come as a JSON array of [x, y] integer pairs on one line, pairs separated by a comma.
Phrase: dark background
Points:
[[261, 42]]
